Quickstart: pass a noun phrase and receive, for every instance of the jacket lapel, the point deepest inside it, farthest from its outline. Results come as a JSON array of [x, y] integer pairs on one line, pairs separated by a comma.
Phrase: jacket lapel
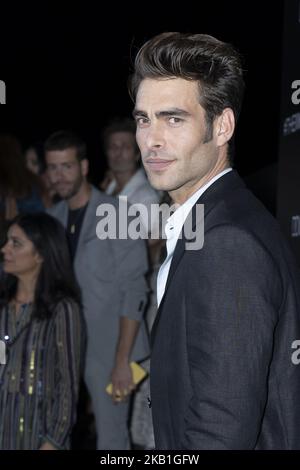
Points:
[[216, 192], [88, 229], [89, 220], [63, 213]]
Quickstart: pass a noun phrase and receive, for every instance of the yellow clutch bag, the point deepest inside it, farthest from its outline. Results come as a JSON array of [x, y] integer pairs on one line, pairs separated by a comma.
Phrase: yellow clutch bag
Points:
[[138, 374]]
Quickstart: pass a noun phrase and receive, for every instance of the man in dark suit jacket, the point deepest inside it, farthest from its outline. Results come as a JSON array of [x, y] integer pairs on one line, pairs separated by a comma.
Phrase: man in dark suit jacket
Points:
[[224, 364]]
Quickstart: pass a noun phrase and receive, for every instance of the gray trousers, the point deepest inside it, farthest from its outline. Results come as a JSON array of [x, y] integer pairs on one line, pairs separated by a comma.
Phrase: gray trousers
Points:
[[111, 419]]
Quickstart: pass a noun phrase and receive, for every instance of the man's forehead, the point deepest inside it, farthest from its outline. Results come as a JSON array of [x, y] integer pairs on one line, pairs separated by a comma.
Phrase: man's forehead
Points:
[[69, 154], [121, 136], [171, 92]]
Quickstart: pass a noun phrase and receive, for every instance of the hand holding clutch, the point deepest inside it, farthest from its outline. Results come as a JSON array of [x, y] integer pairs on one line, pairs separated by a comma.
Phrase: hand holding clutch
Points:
[[138, 374]]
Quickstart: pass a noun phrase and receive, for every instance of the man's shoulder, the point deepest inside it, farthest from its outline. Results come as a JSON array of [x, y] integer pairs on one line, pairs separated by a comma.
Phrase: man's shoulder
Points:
[[99, 197], [57, 209], [236, 219], [145, 191], [245, 209], [146, 194], [229, 200]]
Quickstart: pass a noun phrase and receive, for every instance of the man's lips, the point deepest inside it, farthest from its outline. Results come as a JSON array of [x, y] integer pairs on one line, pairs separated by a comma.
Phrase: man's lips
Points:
[[61, 185], [158, 163]]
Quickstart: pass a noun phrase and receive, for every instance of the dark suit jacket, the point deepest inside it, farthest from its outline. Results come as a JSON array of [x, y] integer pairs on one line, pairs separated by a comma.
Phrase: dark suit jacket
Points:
[[223, 369]]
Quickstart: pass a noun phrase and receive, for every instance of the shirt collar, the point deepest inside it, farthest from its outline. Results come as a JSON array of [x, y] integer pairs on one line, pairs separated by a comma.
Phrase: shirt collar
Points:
[[175, 222]]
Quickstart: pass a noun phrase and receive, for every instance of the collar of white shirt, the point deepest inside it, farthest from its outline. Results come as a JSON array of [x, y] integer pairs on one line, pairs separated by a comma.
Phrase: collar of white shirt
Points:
[[173, 229], [175, 222]]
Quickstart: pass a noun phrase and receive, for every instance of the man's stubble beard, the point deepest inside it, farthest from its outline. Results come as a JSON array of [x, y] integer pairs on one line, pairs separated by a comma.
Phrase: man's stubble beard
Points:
[[74, 189]]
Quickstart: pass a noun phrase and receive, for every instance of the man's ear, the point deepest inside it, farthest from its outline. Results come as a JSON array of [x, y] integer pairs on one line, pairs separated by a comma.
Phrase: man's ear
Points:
[[84, 166], [224, 127]]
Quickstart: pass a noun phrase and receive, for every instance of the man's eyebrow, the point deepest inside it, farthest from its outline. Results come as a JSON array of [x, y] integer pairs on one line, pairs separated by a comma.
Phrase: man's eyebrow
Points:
[[138, 112], [167, 112], [172, 112]]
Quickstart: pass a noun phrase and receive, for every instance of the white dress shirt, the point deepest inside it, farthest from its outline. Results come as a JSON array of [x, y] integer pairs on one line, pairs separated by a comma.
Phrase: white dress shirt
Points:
[[173, 229]]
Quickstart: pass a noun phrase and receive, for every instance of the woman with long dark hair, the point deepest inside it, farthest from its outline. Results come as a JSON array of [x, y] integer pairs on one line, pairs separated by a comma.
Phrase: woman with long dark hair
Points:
[[20, 189], [42, 328]]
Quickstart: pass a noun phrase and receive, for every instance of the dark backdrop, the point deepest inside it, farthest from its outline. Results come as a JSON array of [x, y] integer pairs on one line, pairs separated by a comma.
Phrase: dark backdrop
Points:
[[288, 195], [66, 65]]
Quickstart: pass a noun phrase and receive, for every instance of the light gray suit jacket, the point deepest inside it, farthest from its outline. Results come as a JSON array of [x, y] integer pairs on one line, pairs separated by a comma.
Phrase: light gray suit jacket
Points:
[[111, 274]]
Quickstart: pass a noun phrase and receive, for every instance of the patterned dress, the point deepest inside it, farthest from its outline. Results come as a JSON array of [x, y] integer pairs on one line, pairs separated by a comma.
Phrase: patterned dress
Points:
[[39, 381]]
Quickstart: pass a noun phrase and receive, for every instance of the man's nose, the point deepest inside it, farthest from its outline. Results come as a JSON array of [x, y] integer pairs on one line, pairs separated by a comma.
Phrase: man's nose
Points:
[[56, 175], [155, 136], [117, 151]]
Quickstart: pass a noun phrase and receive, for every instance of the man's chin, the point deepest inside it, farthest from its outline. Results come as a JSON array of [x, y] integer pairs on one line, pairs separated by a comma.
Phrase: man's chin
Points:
[[158, 183], [64, 194]]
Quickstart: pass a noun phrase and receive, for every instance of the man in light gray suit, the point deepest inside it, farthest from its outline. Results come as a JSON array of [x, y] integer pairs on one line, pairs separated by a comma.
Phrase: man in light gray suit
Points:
[[111, 276]]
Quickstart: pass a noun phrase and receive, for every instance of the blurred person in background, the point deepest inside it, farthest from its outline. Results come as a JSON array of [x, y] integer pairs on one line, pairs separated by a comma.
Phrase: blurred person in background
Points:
[[111, 273], [43, 330], [20, 189], [125, 177], [35, 162]]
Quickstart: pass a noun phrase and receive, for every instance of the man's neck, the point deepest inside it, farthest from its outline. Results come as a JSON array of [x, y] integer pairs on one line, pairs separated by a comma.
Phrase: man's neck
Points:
[[81, 198], [122, 179], [181, 195]]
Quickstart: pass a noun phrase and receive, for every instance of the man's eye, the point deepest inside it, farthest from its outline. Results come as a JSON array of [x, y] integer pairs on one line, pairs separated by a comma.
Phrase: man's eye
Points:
[[142, 121], [174, 120]]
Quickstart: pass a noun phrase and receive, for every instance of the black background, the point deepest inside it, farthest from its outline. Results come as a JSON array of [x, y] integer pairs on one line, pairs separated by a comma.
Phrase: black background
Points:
[[66, 65]]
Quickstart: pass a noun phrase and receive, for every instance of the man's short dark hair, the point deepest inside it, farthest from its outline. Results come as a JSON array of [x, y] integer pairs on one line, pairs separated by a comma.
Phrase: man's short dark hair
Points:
[[214, 64], [65, 139], [118, 125]]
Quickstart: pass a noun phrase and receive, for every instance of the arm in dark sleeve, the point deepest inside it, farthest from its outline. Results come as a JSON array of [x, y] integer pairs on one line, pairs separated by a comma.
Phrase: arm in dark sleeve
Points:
[[68, 340], [233, 296]]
